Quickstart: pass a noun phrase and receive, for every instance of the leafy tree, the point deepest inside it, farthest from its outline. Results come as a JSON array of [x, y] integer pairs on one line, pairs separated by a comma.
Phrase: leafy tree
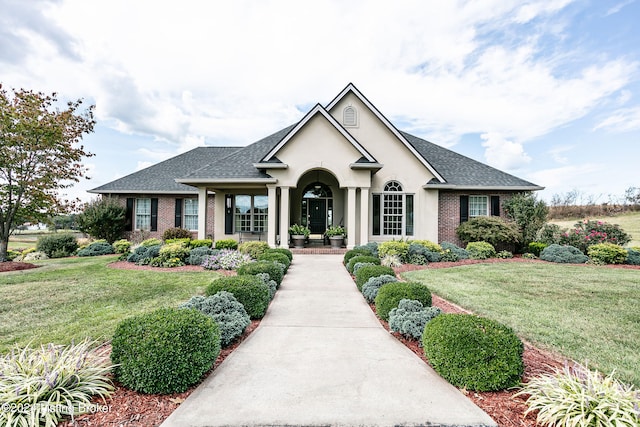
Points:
[[491, 229], [528, 213], [103, 219], [40, 153]]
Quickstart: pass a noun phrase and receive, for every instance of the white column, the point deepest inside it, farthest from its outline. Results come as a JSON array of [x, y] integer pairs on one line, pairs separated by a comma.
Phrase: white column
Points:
[[284, 217], [364, 216], [272, 215], [202, 212], [351, 217]]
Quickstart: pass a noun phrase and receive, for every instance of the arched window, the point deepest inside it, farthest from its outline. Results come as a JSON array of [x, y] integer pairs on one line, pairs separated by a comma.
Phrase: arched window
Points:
[[350, 116], [393, 211]]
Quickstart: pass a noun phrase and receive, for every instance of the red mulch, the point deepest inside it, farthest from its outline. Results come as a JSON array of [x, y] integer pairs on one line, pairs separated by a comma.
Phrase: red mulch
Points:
[[15, 266]]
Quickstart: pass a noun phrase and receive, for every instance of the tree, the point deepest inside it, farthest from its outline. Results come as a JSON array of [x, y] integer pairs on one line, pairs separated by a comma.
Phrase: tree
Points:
[[529, 213], [103, 219], [40, 154], [491, 229]]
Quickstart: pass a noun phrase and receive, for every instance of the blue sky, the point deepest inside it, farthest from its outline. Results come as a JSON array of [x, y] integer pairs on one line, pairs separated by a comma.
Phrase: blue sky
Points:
[[547, 90]]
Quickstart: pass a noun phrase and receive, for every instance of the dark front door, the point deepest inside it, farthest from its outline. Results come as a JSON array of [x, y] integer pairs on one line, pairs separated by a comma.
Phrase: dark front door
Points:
[[317, 215]]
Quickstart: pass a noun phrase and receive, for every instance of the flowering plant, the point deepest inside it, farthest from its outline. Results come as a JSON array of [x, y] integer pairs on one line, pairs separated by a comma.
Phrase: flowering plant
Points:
[[591, 232], [226, 259]]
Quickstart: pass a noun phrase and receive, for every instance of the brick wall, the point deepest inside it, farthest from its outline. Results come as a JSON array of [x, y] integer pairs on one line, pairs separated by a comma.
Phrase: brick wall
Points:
[[449, 212], [166, 214]]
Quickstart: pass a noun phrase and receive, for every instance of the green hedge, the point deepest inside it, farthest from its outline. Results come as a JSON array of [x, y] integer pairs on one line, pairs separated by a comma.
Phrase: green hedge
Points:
[[165, 351], [251, 291], [285, 251], [355, 252], [390, 294], [361, 258], [472, 352], [369, 271], [277, 257], [273, 269]]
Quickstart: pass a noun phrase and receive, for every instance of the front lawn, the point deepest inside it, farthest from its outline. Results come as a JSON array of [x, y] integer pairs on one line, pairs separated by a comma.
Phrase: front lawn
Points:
[[585, 313], [72, 298]]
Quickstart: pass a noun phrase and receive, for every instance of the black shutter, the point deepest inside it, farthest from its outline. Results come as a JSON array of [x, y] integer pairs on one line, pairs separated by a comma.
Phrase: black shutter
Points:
[[228, 214], [128, 219], [178, 222], [409, 215], [495, 205], [464, 209], [376, 214], [154, 214]]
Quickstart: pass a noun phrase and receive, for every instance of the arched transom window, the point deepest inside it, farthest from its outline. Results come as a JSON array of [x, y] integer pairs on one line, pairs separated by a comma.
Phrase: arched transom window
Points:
[[393, 211]]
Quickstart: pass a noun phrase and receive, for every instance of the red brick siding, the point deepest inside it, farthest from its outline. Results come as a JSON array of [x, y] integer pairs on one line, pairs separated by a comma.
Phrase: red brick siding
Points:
[[449, 211], [166, 212]]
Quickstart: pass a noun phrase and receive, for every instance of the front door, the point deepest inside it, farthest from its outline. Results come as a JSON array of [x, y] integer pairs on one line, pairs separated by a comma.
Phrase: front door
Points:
[[317, 215]]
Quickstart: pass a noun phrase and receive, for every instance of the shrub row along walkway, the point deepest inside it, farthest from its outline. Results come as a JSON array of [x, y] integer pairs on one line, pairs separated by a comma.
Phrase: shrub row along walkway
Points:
[[320, 357]]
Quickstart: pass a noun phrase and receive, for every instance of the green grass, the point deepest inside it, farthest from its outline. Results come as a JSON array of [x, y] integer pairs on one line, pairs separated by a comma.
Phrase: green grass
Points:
[[585, 313], [629, 222], [72, 298]]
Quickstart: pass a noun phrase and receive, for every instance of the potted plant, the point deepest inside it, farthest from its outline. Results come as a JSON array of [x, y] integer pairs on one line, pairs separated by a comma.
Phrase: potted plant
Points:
[[299, 234], [336, 235]]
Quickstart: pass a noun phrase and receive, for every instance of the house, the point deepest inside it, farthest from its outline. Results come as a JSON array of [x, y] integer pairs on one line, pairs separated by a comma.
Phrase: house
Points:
[[342, 164]]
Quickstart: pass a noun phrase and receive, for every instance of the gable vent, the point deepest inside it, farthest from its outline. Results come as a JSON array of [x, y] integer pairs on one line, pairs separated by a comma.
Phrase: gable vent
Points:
[[350, 116]]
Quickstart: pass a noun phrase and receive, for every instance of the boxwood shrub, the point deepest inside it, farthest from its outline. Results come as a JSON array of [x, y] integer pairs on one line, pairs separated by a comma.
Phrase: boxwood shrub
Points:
[[473, 352], [274, 269], [225, 310], [57, 245], [536, 247], [277, 257], [399, 248], [252, 293], [253, 248], [369, 271], [607, 253], [122, 246], [371, 287], [355, 252], [563, 254], [165, 351], [361, 258], [201, 243], [285, 251], [389, 296], [227, 244], [96, 249], [481, 250]]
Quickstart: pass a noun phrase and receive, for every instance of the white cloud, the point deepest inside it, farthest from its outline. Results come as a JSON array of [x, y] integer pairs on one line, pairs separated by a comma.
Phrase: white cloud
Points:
[[558, 153], [623, 120], [502, 153]]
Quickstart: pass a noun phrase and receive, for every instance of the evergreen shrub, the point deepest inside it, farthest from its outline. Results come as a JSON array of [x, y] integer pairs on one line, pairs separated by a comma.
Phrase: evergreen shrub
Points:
[[394, 247], [355, 252], [122, 246], [361, 258], [481, 250], [57, 245], [176, 233], [607, 253], [410, 317], [369, 271], [227, 244], [536, 247], [165, 351], [277, 257], [252, 293], [253, 248], [285, 251], [472, 352], [274, 269], [371, 287], [96, 249], [390, 294], [199, 253], [563, 254], [201, 243], [633, 257]]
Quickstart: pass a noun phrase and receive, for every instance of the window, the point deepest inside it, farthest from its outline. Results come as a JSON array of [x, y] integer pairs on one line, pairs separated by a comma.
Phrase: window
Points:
[[395, 216], [143, 214], [251, 213], [350, 116], [478, 206], [191, 214]]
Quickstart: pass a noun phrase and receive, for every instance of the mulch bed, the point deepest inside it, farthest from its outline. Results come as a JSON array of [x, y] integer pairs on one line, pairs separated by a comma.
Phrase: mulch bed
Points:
[[16, 266]]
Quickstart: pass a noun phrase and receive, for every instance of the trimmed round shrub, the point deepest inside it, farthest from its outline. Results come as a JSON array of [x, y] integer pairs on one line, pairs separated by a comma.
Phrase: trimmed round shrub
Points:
[[227, 244], [277, 257], [394, 247], [427, 244], [371, 287], [271, 284], [481, 250], [504, 255], [151, 242], [201, 243], [275, 270], [369, 271], [410, 317], [285, 251], [174, 250], [361, 258], [457, 251], [57, 245], [144, 254], [176, 233], [359, 265], [252, 293], [96, 249], [199, 253], [536, 247], [607, 253], [122, 246], [225, 310], [371, 246], [253, 248], [472, 352], [389, 296], [633, 257], [429, 254], [563, 254], [165, 351], [355, 252], [490, 229]]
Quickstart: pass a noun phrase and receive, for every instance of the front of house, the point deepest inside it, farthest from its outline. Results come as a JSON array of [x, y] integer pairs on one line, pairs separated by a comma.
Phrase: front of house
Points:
[[341, 164]]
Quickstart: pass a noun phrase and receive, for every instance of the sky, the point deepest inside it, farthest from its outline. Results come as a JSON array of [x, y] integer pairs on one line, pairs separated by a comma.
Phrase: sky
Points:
[[547, 90]]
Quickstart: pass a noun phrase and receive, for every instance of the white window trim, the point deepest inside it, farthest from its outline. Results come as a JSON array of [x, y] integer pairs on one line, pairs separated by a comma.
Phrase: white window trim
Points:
[[252, 213], [404, 195], [185, 214], [487, 208], [136, 215]]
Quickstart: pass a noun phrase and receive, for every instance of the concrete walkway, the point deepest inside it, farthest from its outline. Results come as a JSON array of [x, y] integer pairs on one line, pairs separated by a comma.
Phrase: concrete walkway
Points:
[[320, 357]]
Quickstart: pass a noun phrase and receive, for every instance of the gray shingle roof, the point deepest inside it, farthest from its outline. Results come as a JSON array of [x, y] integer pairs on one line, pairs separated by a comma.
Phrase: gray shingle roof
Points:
[[160, 178], [237, 163]]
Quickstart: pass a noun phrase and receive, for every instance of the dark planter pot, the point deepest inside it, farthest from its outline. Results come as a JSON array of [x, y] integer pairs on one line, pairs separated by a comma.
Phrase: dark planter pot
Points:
[[336, 241], [298, 241]]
